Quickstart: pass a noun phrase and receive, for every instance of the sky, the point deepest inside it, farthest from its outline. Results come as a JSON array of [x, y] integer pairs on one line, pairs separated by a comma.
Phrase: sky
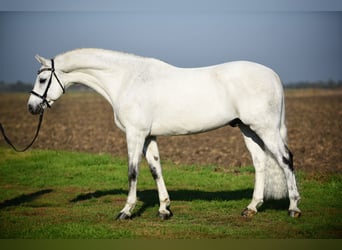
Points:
[[301, 40]]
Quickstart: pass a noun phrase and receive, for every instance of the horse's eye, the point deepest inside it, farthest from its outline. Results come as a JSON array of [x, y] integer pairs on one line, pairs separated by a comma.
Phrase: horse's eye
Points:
[[42, 80]]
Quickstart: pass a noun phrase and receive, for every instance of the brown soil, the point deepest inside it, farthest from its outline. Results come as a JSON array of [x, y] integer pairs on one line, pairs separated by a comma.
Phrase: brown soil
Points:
[[84, 122]]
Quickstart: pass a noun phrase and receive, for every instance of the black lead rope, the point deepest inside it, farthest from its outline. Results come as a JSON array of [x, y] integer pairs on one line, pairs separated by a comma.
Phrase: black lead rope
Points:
[[33, 140]]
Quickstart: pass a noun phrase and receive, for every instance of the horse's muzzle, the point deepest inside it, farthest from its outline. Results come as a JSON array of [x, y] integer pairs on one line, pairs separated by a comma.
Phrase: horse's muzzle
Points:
[[36, 109]]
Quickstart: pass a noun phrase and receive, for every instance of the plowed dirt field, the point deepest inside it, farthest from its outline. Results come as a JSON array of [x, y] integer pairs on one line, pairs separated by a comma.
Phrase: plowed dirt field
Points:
[[84, 122]]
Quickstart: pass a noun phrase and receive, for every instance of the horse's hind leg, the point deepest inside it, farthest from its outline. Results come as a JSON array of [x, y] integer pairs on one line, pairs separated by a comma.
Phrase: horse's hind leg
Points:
[[276, 145], [256, 148], [151, 153]]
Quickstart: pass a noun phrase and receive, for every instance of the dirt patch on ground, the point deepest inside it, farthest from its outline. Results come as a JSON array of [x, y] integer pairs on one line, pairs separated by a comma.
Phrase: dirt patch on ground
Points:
[[84, 122]]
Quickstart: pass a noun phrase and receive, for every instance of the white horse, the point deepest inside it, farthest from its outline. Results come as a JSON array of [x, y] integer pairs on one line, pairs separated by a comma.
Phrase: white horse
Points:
[[152, 98]]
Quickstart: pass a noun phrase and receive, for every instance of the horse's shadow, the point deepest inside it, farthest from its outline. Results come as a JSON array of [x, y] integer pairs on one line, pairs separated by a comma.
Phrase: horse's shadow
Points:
[[24, 198], [149, 197]]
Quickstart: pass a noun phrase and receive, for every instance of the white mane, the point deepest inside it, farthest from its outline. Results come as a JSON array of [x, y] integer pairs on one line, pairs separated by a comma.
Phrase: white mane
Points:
[[98, 58]]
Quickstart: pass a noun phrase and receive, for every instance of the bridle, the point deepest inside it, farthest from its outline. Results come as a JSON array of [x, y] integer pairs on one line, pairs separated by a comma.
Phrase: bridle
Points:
[[45, 102], [53, 73]]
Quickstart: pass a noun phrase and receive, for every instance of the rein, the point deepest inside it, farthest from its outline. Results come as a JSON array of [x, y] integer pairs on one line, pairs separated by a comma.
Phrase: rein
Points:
[[45, 102], [33, 140]]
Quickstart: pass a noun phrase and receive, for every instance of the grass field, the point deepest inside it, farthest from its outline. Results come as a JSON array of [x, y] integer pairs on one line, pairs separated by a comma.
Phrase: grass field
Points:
[[56, 194]]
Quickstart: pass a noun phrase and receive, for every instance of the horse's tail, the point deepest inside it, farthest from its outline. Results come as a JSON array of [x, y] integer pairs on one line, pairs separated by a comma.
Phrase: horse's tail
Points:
[[275, 180]]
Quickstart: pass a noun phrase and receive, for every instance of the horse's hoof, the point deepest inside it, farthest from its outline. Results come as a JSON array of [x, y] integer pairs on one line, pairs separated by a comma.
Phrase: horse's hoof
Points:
[[248, 213], [165, 216], [123, 216], [294, 214]]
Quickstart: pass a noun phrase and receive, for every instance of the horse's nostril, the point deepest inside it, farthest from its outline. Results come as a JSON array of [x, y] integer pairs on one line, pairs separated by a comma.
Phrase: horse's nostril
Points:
[[31, 109]]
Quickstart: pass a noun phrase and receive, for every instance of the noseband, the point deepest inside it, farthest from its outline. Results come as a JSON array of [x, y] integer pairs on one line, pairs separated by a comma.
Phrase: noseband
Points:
[[53, 73]]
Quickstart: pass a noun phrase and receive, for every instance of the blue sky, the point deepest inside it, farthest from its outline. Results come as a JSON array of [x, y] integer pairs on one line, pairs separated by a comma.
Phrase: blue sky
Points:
[[300, 41]]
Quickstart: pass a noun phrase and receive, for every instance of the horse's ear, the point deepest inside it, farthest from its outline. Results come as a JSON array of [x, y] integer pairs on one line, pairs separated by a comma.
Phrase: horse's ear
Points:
[[42, 60]]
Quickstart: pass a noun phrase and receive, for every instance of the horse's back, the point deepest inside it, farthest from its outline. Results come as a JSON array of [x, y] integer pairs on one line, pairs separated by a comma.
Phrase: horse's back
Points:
[[196, 100]]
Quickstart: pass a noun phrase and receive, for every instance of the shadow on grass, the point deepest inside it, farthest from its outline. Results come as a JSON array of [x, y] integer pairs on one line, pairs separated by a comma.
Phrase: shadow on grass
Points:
[[149, 197], [24, 198], [282, 204]]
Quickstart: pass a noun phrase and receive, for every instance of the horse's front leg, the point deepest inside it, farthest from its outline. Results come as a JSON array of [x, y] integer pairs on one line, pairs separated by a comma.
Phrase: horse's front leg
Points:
[[151, 153], [135, 144]]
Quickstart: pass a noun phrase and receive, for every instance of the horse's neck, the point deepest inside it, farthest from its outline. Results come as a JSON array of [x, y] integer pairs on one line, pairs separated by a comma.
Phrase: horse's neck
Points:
[[87, 58], [100, 70], [86, 78]]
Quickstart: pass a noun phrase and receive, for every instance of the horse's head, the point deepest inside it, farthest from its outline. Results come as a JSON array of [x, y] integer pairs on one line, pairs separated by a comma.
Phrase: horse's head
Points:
[[47, 88]]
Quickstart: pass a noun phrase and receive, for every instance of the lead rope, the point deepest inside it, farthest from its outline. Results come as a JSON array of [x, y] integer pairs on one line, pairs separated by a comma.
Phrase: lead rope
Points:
[[34, 138]]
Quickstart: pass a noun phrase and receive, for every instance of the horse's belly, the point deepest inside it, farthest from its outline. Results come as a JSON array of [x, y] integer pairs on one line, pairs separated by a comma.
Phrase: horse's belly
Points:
[[192, 107], [189, 121]]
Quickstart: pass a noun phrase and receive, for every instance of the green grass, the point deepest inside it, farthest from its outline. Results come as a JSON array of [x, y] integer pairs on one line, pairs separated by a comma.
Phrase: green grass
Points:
[[53, 194]]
